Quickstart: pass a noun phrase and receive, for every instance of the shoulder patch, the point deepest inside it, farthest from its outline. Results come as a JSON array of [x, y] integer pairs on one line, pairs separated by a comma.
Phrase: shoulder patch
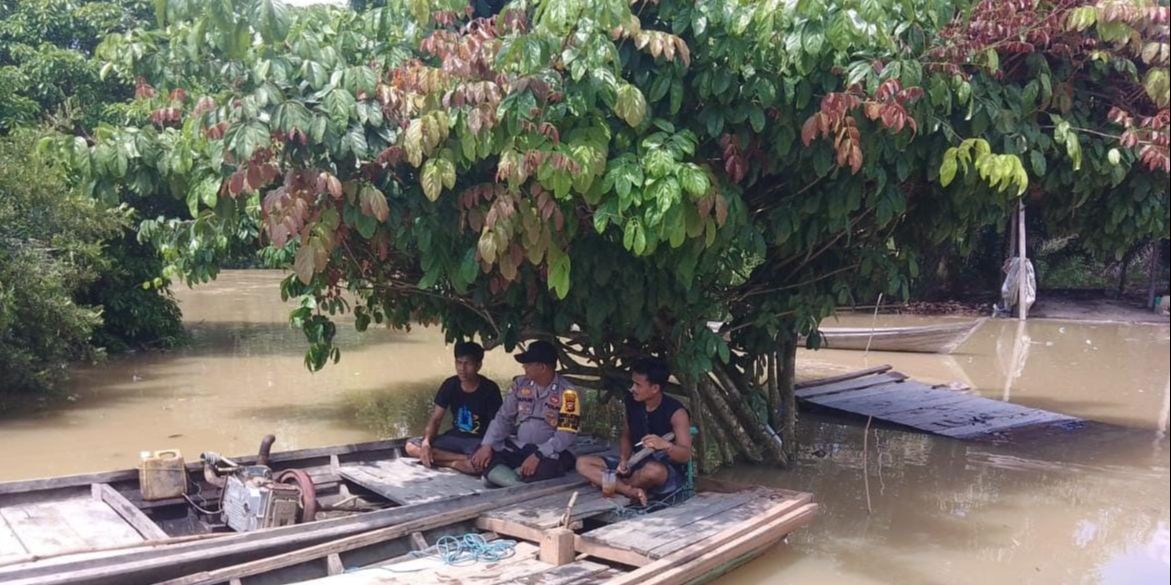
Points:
[[569, 418]]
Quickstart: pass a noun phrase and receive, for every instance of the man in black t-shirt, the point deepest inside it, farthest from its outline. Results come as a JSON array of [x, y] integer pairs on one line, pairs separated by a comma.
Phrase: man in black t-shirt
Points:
[[473, 401], [650, 414]]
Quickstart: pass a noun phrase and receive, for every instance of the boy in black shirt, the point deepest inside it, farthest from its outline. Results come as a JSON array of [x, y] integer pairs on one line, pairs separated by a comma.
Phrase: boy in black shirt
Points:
[[473, 401]]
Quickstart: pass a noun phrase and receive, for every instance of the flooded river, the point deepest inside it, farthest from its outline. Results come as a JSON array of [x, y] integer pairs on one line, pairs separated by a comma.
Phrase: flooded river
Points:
[[1084, 507]]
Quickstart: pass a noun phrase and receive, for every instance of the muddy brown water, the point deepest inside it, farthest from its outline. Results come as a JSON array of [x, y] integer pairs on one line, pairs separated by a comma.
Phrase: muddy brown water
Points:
[[1081, 507]]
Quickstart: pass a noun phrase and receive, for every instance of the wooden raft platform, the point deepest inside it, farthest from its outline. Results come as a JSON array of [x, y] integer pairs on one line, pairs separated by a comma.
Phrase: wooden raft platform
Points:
[[891, 396], [700, 538]]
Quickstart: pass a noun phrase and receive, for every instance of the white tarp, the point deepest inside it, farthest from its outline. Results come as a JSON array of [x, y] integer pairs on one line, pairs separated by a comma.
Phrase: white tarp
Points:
[[1008, 290]]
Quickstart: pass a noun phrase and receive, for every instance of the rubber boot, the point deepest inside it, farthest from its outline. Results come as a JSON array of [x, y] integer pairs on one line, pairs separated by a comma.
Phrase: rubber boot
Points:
[[502, 476]]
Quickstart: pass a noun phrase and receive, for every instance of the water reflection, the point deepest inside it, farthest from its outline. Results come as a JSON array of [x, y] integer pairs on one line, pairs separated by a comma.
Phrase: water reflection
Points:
[[1085, 507]]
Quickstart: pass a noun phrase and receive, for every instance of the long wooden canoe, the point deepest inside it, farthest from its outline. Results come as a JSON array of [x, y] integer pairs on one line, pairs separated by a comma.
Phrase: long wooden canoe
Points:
[[919, 339], [170, 542], [58, 529]]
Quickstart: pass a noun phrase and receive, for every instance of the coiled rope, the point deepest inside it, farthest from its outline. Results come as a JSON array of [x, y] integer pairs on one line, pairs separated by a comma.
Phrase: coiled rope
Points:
[[460, 550]]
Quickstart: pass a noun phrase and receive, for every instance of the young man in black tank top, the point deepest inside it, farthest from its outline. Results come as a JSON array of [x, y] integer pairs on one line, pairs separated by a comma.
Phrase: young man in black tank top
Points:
[[650, 414]]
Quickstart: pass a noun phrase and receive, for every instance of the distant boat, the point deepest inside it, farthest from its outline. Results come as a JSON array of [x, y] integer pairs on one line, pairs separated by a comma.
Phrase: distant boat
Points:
[[918, 339]]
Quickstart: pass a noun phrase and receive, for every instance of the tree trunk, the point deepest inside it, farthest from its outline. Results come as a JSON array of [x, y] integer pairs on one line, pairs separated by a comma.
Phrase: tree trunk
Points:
[[725, 450], [788, 396], [699, 447], [759, 431], [774, 394], [728, 421], [1124, 272], [1156, 252]]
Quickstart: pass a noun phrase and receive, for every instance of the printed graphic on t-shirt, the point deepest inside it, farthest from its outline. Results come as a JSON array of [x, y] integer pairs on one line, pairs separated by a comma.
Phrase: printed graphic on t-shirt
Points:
[[466, 421]]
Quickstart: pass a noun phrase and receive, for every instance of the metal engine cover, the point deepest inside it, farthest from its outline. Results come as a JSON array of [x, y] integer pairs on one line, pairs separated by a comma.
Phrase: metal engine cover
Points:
[[252, 500]]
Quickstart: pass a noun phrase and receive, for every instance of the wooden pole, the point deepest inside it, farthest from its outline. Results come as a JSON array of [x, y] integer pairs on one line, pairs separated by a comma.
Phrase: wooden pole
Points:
[[788, 370], [1156, 252], [1022, 310]]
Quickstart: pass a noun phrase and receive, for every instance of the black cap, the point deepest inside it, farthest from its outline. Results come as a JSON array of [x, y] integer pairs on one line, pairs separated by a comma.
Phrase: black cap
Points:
[[541, 352]]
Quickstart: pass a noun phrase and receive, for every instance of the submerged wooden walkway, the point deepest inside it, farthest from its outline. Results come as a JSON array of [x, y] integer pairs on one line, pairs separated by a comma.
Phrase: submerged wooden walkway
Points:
[[890, 396]]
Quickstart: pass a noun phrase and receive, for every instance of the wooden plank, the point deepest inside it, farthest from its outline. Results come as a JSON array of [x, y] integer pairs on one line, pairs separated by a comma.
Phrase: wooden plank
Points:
[[406, 481], [136, 565], [656, 543], [41, 528], [334, 565], [1022, 419], [11, 549], [102, 492], [888, 391], [602, 550], [847, 376], [509, 528], [576, 573], [941, 411], [626, 541], [849, 385], [923, 401], [547, 512], [978, 411], [348, 543], [712, 526], [96, 523], [896, 402], [694, 562]]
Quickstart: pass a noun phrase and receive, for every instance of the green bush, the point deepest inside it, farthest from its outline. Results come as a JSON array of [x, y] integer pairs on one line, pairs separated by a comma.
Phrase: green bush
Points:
[[50, 249]]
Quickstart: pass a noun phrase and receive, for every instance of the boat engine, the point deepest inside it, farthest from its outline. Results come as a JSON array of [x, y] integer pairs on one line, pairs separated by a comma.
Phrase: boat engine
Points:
[[252, 499]]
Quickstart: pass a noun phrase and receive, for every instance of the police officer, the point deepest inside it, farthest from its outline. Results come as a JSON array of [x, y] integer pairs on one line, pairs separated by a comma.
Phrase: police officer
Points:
[[544, 411]]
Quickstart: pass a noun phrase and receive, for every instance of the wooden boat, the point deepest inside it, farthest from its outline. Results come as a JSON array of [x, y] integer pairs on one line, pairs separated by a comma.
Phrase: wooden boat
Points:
[[96, 528], [918, 339]]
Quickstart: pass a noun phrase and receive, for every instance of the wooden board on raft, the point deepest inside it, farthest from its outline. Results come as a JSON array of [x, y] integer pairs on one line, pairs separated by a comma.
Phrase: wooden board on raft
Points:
[[405, 481], [952, 413], [521, 567], [644, 539], [531, 519]]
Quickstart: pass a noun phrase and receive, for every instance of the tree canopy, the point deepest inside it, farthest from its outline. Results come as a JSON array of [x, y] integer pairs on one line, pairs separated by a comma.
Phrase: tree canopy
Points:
[[619, 175]]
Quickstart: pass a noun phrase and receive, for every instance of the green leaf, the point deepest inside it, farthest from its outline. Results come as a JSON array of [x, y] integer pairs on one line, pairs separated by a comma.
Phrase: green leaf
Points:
[[1038, 162], [355, 141], [947, 171], [272, 20], [432, 179], [756, 118], [247, 139], [339, 103], [559, 275], [630, 104]]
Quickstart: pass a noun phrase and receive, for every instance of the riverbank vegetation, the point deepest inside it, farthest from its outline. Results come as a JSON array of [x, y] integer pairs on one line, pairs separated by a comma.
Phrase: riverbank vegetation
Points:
[[71, 266]]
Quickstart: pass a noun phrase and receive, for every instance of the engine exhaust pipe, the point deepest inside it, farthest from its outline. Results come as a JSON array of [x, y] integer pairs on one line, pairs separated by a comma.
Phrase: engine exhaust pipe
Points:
[[265, 449]]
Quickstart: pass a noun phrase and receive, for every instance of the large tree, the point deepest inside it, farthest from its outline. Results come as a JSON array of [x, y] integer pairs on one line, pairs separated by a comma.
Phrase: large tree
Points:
[[701, 180]]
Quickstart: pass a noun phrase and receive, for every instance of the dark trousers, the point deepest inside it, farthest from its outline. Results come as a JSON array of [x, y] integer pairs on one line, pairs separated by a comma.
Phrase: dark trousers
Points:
[[513, 456]]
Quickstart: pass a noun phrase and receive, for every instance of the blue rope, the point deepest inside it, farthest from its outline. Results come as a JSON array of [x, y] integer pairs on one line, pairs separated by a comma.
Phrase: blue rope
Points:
[[472, 548]]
